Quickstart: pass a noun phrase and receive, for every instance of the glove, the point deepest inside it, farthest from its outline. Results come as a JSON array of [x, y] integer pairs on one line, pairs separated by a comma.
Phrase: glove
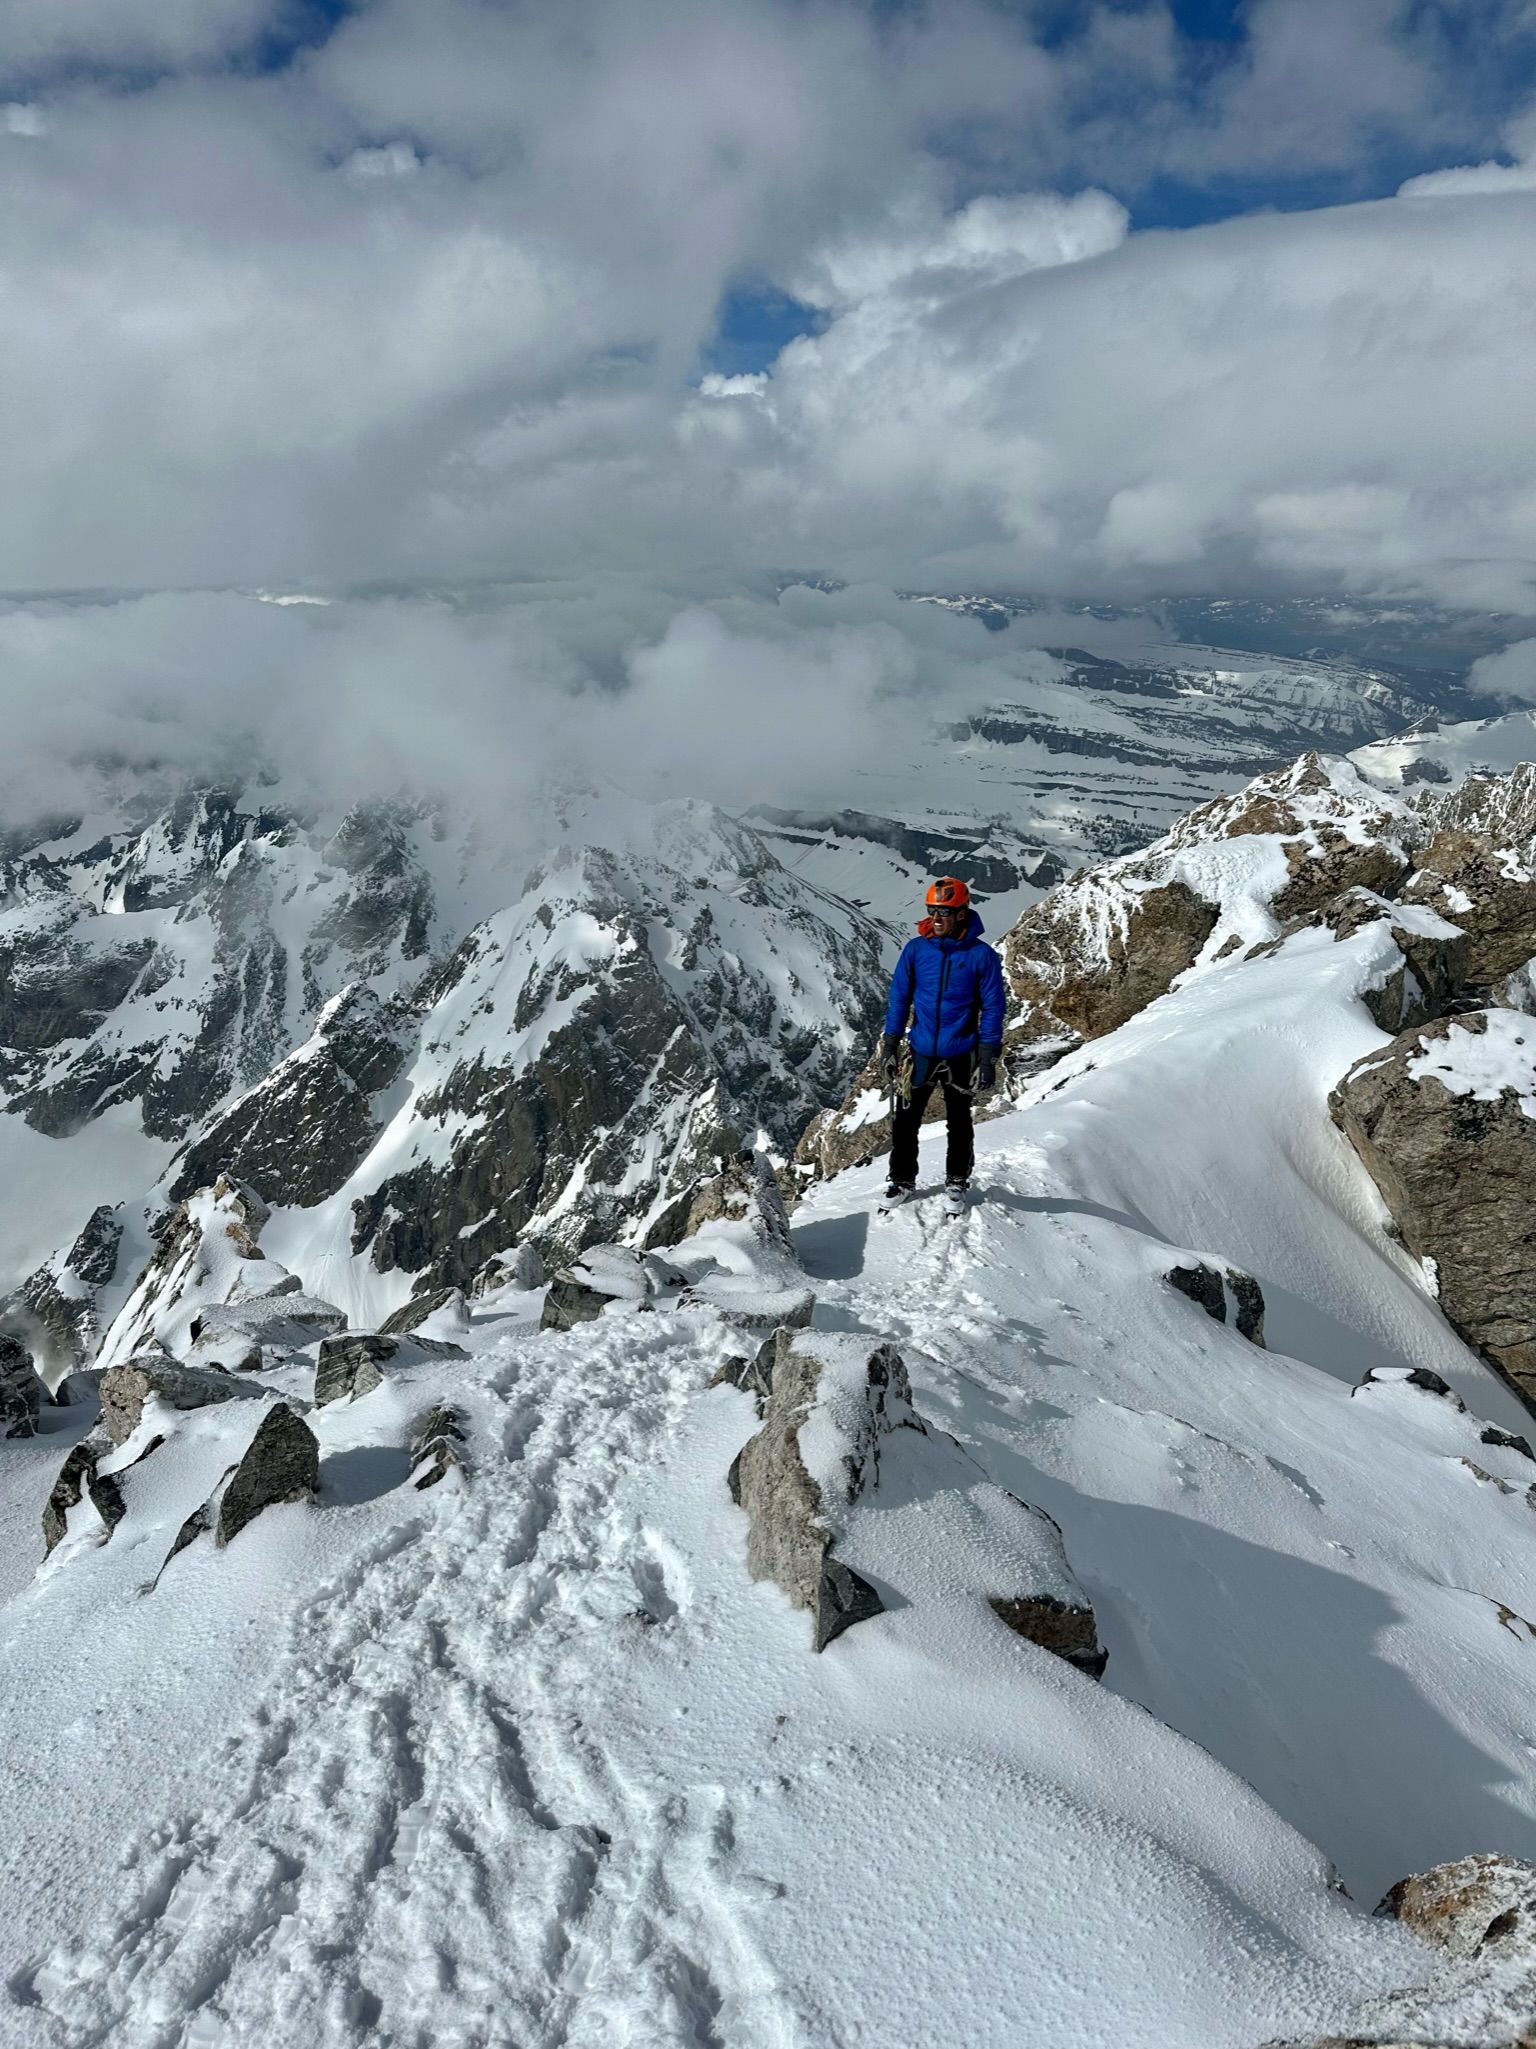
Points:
[[890, 1053], [986, 1068]]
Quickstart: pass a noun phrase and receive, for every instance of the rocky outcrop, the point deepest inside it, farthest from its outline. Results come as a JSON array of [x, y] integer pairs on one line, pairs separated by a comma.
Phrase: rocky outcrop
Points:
[[1444, 1120], [22, 1393], [206, 1253], [448, 1303], [437, 1446], [522, 1268], [788, 1538], [1101, 947], [281, 1464], [1423, 1380], [352, 1363], [1480, 1912], [153, 1377], [1216, 1293], [55, 1307], [1068, 1629], [1486, 888], [581, 1292], [1084, 960], [1431, 955], [835, 1412], [78, 1477], [263, 1332], [1470, 1905]]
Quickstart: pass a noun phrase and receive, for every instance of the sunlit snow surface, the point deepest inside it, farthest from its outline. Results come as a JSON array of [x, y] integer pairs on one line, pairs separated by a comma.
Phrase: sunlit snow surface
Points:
[[531, 1760]]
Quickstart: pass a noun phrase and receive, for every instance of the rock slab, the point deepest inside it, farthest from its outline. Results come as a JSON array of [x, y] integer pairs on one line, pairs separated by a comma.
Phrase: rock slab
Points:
[[282, 1463], [125, 1389]]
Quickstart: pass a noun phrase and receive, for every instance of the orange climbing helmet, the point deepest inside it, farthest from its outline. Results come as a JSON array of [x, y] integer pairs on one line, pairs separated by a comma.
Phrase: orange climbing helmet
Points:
[[949, 893]]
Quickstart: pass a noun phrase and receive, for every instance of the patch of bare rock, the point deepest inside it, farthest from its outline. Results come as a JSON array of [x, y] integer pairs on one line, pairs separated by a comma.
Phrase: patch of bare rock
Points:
[[836, 1424], [1444, 1119]]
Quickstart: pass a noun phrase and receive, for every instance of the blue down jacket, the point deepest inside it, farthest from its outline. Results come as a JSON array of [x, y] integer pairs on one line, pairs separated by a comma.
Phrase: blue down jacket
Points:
[[952, 989]]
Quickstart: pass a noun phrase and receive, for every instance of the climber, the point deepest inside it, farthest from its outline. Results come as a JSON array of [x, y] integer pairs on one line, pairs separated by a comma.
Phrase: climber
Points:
[[949, 985]]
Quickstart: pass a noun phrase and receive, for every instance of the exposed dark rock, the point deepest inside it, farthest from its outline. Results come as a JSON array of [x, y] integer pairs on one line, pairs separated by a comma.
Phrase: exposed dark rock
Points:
[[1486, 890], [1213, 1292], [55, 1306], [437, 1446], [523, 1267], [411, 1315], [1439, 1119], [197, 1524], [246, 1335], [1071, 1632], [1423, 1378], [352, 1363], [1470, 1905], [1248, 1304], [281, 1464], [753, 1374], [78, 1476], [1432, 957], [1330, 863], [736, 1047], [22, 1393], [1492, 1434], [152, 1376], [1201, 1284], [570, 1301], [349, 1365], [204, 1243]]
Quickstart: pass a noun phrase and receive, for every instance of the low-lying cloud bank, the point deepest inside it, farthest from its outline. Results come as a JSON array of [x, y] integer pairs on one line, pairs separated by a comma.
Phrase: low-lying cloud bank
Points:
[[741, 699]]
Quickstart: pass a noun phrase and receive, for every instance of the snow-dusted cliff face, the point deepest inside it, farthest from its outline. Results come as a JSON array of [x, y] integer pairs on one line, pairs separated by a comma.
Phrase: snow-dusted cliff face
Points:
[[323, 1011]]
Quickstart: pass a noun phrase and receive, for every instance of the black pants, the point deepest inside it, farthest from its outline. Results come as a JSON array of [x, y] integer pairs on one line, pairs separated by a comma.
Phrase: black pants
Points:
[[956, 1074]]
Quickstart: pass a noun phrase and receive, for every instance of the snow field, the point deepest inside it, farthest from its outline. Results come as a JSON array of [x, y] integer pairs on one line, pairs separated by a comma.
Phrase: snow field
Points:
[[533, 1762]]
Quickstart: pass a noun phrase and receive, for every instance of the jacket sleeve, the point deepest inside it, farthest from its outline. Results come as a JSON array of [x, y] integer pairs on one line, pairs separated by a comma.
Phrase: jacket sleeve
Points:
[[994, 999], [899, 1007]]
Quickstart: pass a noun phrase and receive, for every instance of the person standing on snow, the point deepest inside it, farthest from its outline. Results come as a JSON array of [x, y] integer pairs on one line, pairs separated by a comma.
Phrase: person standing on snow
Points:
[[949, 984]]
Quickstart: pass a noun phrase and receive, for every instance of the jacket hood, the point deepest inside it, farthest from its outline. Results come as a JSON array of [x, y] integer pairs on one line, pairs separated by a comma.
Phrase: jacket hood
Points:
[[973, 929]]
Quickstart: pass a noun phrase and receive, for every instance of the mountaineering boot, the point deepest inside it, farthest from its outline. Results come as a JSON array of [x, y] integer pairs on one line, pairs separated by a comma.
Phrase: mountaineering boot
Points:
[[956, 1195]]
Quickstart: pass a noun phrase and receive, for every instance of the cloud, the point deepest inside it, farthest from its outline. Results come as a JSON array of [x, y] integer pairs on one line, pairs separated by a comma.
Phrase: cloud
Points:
[[430, 302], [1508, 677], [40, 36], [492, 706]]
